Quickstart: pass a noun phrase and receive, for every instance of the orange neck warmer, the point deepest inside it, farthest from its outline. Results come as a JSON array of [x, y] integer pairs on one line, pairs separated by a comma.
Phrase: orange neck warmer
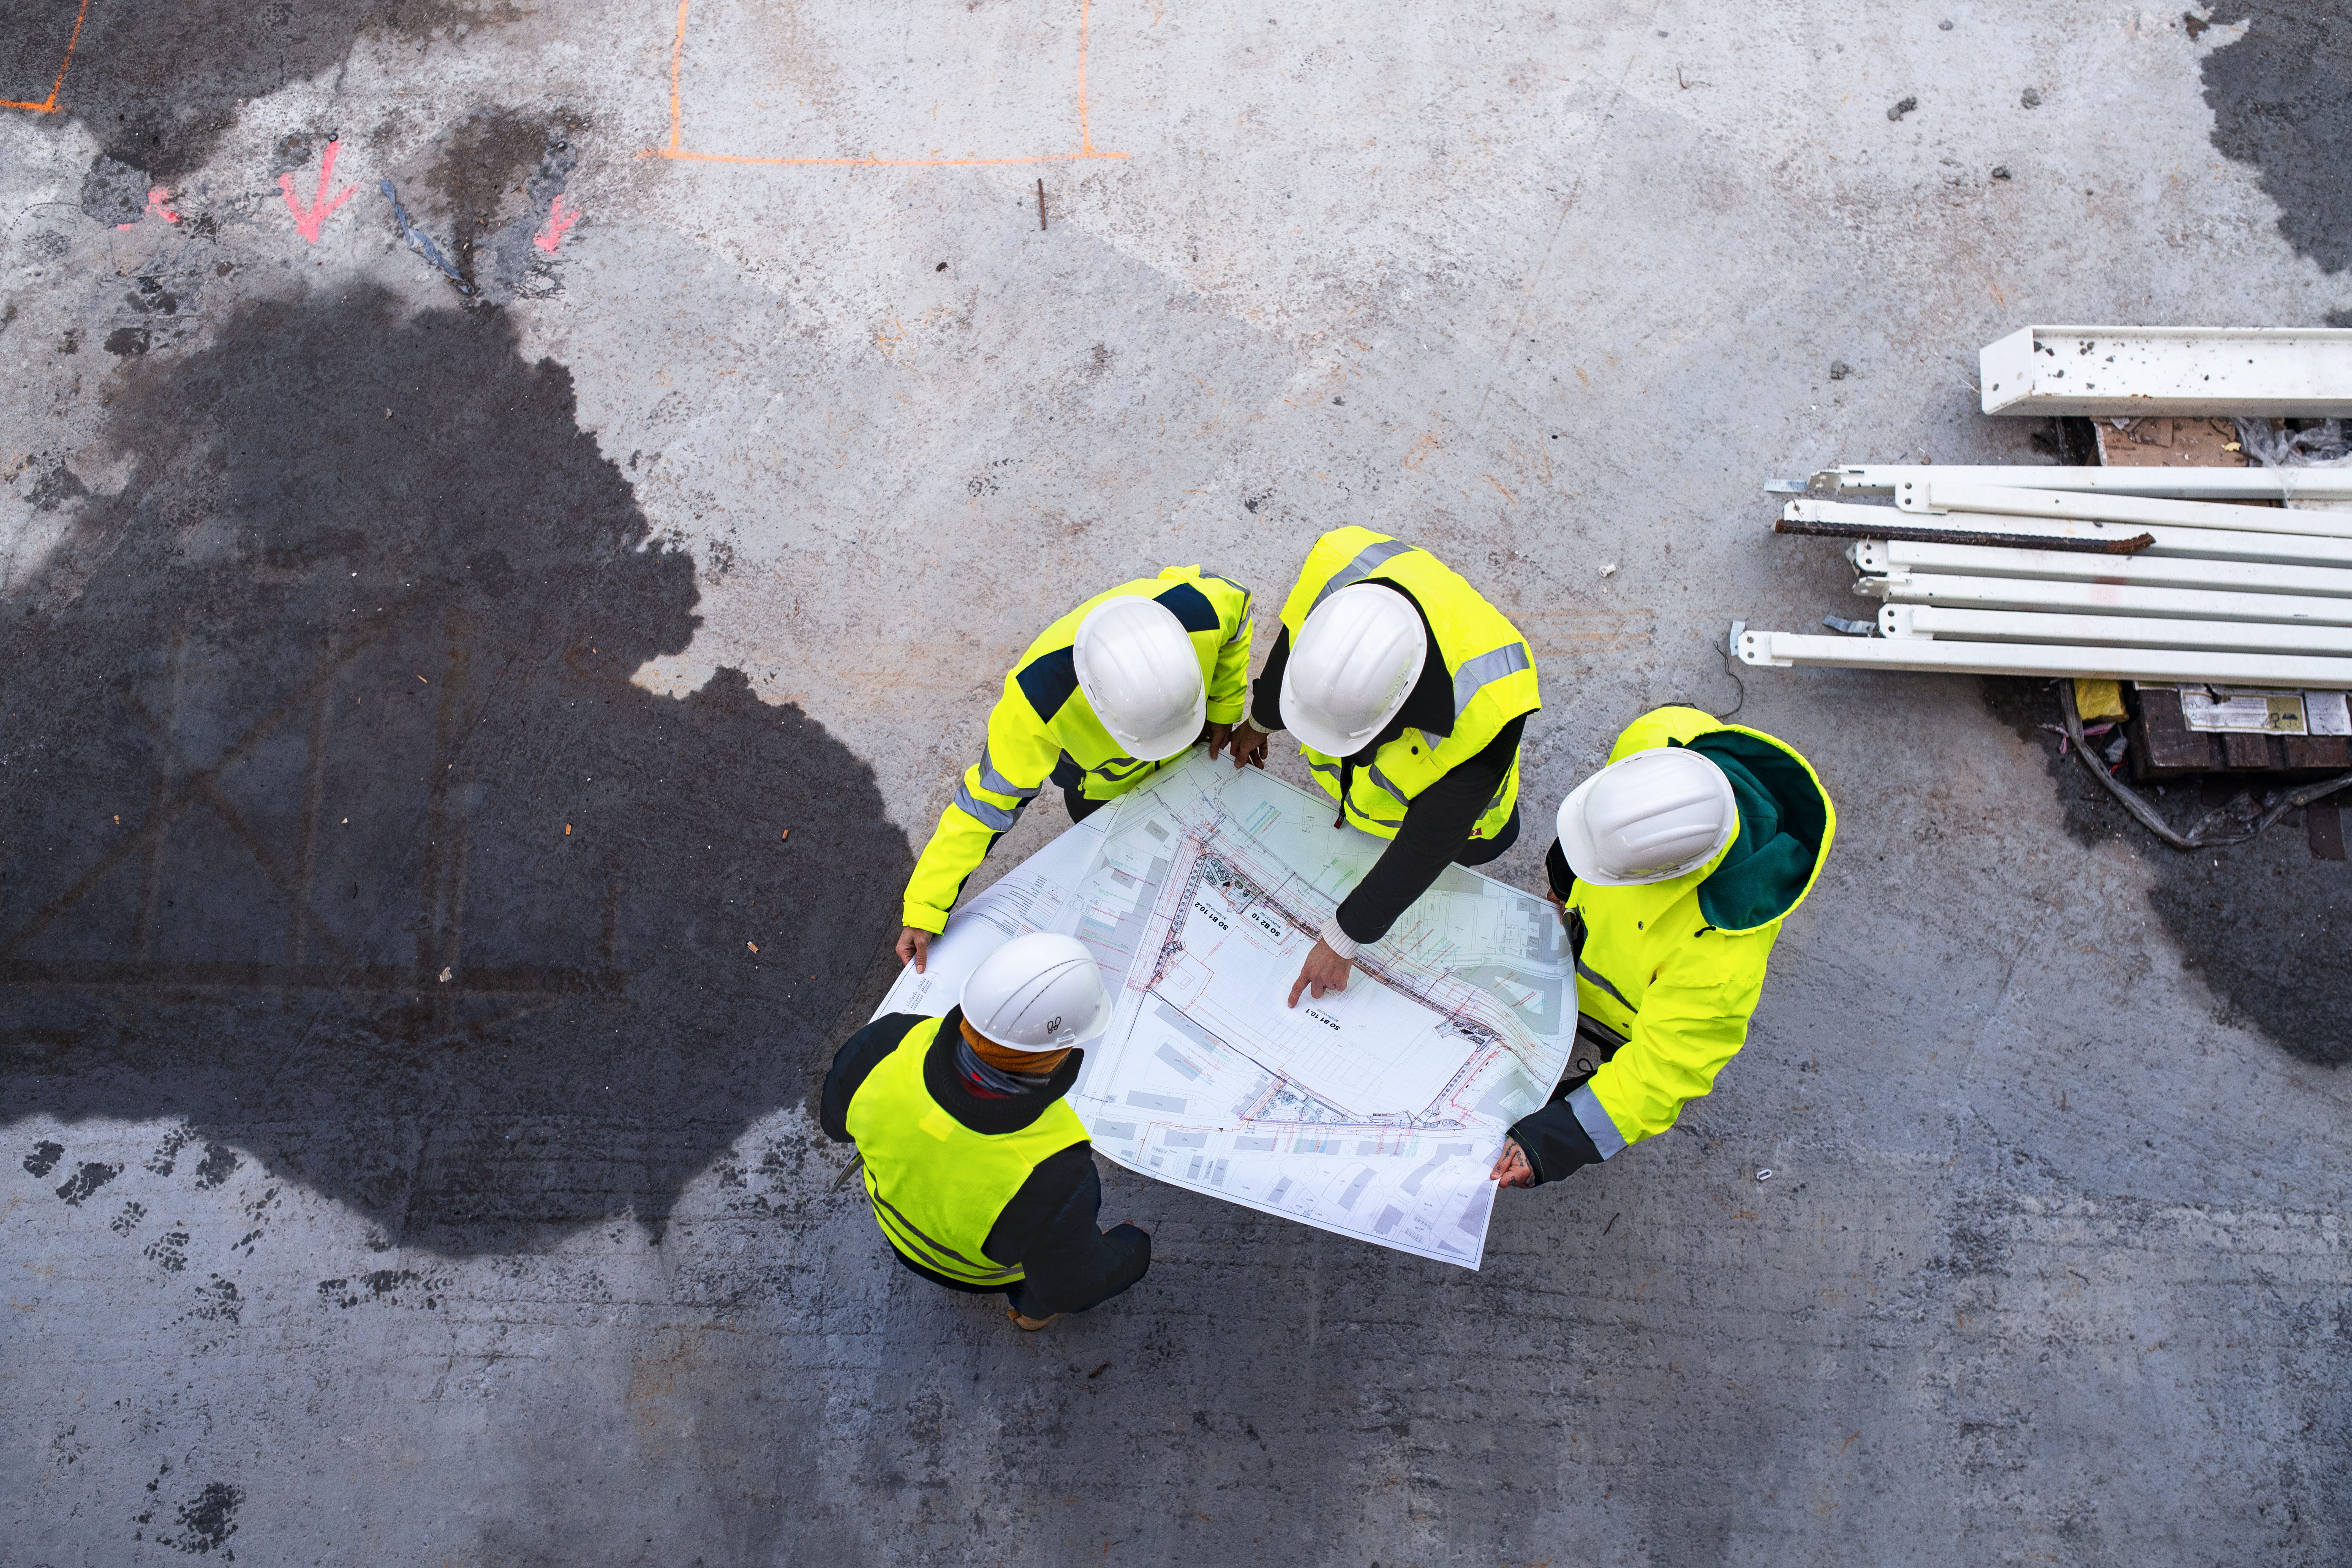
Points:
[[1003, 1060]]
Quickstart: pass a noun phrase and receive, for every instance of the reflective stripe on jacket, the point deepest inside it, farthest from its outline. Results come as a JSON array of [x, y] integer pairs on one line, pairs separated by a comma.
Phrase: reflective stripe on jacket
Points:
[[1493, 671], [1043, 730], [1654, 969], [937, 1186]]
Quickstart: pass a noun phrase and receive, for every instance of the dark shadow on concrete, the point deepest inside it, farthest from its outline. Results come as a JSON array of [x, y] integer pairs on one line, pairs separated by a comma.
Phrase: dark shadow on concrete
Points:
[[157, 84], [2265, 925], [335, 828], [2281, 100]]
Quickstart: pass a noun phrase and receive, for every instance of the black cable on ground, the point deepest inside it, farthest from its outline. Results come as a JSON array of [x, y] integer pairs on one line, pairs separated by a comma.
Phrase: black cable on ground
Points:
[[2201, 835]]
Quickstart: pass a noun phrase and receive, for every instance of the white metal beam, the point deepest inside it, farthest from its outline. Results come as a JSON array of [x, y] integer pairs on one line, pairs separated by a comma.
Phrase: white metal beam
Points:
[[1785, 649], [2210, 484], [1933, 495], [2101, 599], [2253, 371], [2111, 631], [2206, 544], [2134, 570]]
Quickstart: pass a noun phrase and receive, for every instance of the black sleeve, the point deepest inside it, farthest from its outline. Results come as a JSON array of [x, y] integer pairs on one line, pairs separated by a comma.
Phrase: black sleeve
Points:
[[1049, 1230], [1437, 823], [860, 1055], [1555, 1142], [1266, 696], [1556, 871]]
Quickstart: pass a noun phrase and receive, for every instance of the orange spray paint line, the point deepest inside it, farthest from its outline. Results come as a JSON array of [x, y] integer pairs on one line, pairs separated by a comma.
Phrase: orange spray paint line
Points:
[[49, 104]]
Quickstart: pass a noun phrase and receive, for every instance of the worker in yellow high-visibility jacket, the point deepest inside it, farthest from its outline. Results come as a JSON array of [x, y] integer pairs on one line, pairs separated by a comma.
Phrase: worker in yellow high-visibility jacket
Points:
[[1675, 866], [978, 1173], [1408, 692], [1104, 698]]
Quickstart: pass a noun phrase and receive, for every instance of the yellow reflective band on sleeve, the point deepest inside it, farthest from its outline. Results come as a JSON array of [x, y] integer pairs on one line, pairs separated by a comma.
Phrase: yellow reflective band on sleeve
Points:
[[997, 784], [996, 817]]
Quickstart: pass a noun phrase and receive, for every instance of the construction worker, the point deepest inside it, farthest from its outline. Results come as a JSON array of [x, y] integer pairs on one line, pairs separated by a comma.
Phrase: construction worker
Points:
[[1408, 692], [979, 1172], [1675, 866], [1105, 696]]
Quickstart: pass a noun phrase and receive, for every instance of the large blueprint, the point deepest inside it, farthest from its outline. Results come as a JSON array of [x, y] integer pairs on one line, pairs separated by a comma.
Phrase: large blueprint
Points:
[[1376, 1112]]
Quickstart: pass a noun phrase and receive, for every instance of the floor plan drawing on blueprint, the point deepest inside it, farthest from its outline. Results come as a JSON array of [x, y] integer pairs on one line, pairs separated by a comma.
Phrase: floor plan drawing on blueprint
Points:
[[1373, 1112]]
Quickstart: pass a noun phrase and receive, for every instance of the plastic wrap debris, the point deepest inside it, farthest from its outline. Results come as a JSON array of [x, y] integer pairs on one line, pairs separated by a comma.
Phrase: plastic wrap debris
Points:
[[2324, 445]]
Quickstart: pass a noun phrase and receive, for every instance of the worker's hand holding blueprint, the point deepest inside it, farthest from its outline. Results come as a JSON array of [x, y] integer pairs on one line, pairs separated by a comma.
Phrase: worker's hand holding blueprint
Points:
[[1374, 1111]]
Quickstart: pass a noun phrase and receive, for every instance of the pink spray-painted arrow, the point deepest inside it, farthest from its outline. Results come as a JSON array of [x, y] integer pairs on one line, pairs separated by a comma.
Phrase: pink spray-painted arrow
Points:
[[559, 224], [308, 222]]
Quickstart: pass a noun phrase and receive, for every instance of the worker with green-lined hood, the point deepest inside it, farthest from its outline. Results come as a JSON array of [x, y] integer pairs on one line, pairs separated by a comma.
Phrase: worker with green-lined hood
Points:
[[1675, 866]]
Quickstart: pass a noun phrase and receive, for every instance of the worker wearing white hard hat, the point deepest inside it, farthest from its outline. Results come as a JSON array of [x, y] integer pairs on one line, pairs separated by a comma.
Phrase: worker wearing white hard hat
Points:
[[978, 1173], [1408, 693], [1674, 870], [1101, 701]]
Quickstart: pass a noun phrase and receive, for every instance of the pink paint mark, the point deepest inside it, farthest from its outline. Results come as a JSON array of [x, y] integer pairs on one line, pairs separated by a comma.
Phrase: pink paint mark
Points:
[[308, 222], [559, 224], [155, 200]]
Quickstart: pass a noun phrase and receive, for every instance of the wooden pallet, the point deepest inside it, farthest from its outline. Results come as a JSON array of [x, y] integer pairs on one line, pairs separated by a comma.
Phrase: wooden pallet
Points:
[[2163, 746]]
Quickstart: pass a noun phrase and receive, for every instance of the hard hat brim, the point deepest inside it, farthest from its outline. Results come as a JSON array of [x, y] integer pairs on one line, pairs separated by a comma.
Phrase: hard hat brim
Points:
[[1168, 742], [1577, 848], [1336, 742]]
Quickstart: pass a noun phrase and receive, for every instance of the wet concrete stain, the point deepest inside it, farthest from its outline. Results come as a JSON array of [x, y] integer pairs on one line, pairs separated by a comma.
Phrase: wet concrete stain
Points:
[[491, 183], [206, 1520], [414, 899], [157, 85], [2263, 925], [44, 1158], [2281, 100]]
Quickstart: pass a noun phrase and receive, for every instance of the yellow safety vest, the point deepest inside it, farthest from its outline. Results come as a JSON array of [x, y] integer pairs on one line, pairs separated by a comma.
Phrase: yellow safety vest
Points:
[[1658, 971], [936, 1185], [1043, 730], [1492, 669]]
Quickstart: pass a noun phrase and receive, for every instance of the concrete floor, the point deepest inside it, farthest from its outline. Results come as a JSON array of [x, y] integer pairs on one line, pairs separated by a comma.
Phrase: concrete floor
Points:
[[458, 642]]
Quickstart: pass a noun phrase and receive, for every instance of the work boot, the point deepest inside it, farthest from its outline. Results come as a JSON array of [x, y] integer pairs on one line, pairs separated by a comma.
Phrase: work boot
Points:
[[1029, 1325]]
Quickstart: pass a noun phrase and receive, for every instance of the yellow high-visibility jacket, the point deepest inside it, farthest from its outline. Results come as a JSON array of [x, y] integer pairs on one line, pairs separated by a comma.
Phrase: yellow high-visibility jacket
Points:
[[1675, 968], [1043, 730], [1488, 663]]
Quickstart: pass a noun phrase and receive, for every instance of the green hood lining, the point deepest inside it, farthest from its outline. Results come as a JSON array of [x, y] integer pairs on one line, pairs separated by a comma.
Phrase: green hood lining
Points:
[[1782, 819]]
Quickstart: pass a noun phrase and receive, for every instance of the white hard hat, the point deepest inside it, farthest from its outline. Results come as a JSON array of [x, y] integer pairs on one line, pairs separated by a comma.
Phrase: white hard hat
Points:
[[1137, 669], [1037, 993], [1648, 817], [1351, 667]]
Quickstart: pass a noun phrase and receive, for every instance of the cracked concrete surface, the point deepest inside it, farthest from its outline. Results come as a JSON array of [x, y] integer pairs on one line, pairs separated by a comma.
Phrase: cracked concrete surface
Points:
[[360, 629]]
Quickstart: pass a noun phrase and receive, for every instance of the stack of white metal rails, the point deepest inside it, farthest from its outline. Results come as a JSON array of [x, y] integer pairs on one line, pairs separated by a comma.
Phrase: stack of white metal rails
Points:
[[2127, 573], [2152, 574]]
